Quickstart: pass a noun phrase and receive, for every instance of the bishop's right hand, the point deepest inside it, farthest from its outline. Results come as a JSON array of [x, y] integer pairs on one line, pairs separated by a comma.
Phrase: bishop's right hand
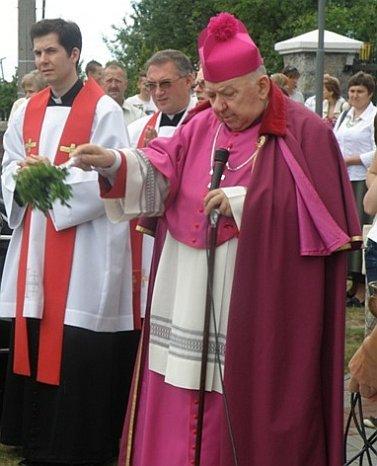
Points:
[[90, 156]]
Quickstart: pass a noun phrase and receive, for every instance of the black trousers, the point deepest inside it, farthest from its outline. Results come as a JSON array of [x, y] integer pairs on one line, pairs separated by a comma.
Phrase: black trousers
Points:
[[80, 421]]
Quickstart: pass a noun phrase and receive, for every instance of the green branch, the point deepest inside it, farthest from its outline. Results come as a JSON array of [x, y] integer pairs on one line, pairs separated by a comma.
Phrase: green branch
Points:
[[40, 185]]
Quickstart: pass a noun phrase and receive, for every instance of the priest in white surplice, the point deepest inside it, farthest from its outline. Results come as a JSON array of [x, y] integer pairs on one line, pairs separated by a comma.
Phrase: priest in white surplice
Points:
[[169, 76], [67, 281]]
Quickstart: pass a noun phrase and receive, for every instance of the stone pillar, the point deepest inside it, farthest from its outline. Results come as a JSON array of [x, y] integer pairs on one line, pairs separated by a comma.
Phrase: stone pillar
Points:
[[339, 57], [335, 64], [26, 18]]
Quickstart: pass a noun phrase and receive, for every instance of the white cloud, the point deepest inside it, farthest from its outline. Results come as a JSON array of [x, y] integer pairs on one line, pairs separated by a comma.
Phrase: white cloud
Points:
[[94, 19]]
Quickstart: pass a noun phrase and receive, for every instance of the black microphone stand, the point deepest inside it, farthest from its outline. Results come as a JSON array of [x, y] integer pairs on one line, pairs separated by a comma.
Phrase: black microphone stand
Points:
[[221, 156]]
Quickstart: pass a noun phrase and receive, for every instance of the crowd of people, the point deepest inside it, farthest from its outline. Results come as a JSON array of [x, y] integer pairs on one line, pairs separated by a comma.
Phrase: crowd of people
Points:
[[108, 295]]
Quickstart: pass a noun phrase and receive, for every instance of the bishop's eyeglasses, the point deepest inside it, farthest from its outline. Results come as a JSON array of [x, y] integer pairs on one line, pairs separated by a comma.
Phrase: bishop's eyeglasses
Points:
[[163, 85]]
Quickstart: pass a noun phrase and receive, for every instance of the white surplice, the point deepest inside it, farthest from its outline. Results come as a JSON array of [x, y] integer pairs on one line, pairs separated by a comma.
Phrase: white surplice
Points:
[[134, 130], [180, 287], [100, 290]]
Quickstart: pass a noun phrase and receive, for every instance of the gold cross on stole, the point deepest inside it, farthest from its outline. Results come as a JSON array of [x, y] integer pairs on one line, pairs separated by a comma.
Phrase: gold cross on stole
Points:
[[29, 145], [68, 149]]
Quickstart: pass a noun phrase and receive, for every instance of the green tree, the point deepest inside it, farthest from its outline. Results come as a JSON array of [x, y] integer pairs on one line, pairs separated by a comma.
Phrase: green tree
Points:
[[8, 94], [177, 23], [159, 25]]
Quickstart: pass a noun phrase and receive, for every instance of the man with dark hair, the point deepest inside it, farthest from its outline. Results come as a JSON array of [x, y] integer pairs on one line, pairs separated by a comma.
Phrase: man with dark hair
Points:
[[293, 75], [74, 344], [67, 33], [143, 100], [169, 80], [94, 69]]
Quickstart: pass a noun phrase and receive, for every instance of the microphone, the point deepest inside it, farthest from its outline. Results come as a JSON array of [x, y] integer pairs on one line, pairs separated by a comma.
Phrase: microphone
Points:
[[220, 160]]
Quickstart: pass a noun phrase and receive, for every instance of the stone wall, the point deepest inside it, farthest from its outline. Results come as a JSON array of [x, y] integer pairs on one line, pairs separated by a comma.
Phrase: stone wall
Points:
[[335, 64]]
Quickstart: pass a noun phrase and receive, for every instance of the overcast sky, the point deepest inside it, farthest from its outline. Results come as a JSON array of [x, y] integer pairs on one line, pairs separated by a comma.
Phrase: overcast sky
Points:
[[94, 19]]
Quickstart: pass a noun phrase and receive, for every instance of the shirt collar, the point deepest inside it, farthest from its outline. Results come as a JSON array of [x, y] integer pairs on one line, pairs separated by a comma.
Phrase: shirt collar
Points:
[[363, 116], [171, 120], [67, 99], [274, 118]]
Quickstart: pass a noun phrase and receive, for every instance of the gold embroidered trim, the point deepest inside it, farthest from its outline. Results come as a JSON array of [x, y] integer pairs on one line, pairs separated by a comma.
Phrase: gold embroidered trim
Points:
[[261, 142], [348, 246], [145, 231], [345, 247], [68, 149], [356, 238], [30, 145]]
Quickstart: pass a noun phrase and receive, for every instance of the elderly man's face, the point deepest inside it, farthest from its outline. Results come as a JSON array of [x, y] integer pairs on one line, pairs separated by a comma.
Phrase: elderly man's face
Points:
[[239, 101], [115, 84], [169, 90]]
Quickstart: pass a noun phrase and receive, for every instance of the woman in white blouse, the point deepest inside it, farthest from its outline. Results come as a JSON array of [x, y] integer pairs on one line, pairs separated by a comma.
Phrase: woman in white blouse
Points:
[[354, 131]]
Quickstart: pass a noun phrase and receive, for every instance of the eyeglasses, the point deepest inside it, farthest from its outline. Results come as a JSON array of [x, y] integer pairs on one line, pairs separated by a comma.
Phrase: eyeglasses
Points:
[[163, 85]]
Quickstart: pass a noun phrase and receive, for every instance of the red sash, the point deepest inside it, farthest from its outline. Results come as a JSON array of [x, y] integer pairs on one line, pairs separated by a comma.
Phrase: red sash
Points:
[[59, 245], [137, 243]]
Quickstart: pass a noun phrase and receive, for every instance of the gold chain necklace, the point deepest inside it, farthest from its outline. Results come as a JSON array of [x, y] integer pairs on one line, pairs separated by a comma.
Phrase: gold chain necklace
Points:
[[259, 144]]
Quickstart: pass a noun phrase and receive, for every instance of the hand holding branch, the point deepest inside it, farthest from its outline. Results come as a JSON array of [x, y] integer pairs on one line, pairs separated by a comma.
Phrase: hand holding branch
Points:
[[31, 160]]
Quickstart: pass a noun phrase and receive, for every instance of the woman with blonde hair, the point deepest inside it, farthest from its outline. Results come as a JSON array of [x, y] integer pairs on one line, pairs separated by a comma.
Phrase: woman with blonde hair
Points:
[[281, 80], [31, 83]]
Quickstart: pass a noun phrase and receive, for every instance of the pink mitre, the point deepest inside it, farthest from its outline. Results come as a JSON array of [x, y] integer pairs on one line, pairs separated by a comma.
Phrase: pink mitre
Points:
[[226, 50]]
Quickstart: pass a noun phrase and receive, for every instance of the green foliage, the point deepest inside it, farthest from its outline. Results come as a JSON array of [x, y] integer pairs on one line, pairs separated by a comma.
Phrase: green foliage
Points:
[[41, 184], [8, 94], [159, 25], [177, 23]]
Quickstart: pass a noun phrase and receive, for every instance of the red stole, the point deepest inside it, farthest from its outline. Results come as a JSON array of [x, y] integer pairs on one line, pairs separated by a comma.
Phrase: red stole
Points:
[[137, 243], [59, 245]]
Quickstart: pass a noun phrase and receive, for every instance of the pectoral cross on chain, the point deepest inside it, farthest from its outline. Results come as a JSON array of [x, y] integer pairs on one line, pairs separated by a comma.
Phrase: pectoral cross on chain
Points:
[[30, 145], [68, 149]]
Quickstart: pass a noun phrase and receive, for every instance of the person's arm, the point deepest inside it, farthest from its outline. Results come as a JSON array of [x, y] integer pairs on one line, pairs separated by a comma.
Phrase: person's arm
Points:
[[134, 187], [146, 177], [14, 156], [367, 158], [352, 160], [372, 171], [370, 198], [363, 368]]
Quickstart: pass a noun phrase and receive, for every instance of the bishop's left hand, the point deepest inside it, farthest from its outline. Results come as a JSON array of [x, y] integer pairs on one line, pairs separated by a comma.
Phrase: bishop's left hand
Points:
[[216, 199]]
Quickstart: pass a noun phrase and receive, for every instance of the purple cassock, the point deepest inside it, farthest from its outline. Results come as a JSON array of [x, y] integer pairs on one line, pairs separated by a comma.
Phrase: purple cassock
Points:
[[285, 336]]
